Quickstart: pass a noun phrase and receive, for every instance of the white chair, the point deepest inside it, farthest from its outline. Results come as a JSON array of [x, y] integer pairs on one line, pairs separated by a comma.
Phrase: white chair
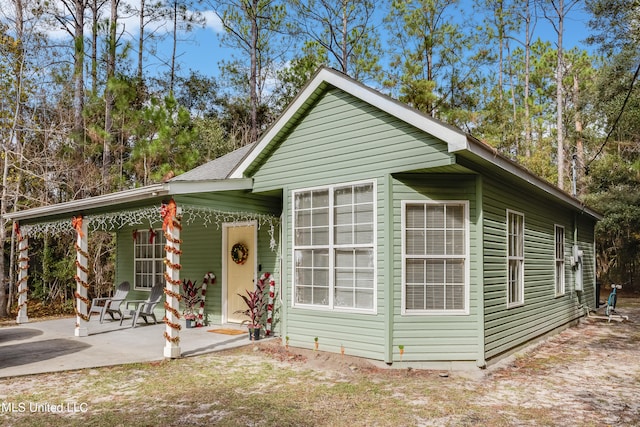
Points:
[[112, 304], [144, 308]]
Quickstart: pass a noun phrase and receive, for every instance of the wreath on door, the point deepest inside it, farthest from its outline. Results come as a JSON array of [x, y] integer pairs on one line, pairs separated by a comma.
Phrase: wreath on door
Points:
[[239, 253]]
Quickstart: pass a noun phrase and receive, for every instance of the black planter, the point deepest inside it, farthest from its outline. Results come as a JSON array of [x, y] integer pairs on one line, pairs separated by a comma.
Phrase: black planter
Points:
[[254, 334], [191, 323]]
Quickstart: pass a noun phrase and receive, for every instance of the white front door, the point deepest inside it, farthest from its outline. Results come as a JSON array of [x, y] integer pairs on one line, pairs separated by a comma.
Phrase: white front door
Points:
[[239, 274]]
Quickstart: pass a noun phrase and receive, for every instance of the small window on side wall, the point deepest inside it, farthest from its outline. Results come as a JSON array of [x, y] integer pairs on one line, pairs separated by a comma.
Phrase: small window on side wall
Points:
[[559, 260], [515, 258]]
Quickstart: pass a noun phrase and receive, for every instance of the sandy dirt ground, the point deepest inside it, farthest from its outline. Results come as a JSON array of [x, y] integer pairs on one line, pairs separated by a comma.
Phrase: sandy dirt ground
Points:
[[586, 375]]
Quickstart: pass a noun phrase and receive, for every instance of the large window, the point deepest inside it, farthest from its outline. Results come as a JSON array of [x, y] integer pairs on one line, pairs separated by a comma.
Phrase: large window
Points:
[[515, 258], [333, 247], [149, 257], [435, 257], [559, 255]]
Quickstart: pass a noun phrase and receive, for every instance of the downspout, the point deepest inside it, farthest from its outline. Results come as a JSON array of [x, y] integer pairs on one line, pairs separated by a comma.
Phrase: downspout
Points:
[[480, 362], [577, 268], [574, 192], [594, 269], [388, 269]]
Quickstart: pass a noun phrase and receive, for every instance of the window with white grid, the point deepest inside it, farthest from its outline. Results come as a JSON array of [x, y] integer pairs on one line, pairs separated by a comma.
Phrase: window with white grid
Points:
[[515, 258], [435, 257], [333, 247], [149, 255], [559, 256]]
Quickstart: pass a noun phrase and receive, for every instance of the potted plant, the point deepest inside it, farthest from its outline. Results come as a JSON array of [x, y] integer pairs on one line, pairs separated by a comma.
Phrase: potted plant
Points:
[[191, 297], [256, 309]]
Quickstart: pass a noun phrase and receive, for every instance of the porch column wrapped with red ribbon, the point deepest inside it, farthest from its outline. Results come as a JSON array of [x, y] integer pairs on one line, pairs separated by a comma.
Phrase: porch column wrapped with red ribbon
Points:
[[82, 276], [23, 273], [171, 227]]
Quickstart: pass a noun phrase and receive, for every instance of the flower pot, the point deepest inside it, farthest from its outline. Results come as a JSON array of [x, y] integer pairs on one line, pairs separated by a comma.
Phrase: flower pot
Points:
[[191, 323], [254, 334]]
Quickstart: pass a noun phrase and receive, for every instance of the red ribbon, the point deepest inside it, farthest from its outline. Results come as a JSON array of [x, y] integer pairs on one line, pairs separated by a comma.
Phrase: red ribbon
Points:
[[168, 213], [76, 222], [16, 229]]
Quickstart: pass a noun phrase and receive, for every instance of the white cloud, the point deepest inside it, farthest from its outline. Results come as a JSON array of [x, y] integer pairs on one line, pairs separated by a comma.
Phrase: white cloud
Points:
[[213, 21]]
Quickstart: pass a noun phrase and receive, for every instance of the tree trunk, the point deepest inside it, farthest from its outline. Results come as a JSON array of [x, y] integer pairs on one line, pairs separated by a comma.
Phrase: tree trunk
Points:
[[141, 41], [514, 105], [527, 72], [253, 82], [14, 139], [560, 96], [94, 46], [345, 37], [78, 69], [579, 128], [5, 282], [109, 97], [174, 47]]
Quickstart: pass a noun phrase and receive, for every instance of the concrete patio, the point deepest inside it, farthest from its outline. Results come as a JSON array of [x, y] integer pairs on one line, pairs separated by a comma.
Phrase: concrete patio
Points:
[[50, 346]]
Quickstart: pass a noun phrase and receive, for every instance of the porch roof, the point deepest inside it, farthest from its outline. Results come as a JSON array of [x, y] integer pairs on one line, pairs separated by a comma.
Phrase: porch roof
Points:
[[127, 199], [212, 176]]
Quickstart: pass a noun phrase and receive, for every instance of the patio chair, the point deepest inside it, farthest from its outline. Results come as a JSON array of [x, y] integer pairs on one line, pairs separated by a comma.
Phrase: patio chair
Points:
[[112, 304], [144, 308]]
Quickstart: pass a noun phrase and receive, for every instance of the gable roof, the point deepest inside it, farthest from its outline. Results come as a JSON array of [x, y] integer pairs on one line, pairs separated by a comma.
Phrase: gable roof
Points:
[[457, 141]]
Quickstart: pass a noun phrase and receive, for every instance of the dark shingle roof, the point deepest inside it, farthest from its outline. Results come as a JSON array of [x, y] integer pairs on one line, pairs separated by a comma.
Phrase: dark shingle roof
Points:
[[219, 168]]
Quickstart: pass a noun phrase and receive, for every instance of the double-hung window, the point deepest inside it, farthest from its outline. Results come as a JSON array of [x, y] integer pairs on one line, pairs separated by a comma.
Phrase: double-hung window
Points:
[[559, 256], [148, 249], [334, 247], [515, 258], [435, 257]]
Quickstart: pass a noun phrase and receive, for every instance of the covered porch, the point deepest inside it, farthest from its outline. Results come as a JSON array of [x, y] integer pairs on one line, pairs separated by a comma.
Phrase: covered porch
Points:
[[183, 221]]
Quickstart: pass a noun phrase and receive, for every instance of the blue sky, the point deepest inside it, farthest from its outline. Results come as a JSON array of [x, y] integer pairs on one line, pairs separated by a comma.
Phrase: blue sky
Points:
[[203, 51]]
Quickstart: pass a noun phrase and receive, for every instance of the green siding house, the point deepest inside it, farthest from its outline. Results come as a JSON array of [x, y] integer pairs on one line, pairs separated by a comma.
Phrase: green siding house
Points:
[[384, 228]]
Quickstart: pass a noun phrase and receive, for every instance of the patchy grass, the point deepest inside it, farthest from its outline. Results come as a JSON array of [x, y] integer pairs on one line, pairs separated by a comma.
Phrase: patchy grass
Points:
[[585, 376]]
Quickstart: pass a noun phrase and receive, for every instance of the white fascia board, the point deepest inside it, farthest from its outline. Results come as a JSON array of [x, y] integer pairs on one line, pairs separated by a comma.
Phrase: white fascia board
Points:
[[455, 139], [189, 187], [490, 154], [120, 197]]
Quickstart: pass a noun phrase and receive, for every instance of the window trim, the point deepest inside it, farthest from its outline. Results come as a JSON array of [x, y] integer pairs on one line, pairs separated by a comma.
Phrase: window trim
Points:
[[467, 258], [508, 257], [331, 307], [158, 234], [563, 285]]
